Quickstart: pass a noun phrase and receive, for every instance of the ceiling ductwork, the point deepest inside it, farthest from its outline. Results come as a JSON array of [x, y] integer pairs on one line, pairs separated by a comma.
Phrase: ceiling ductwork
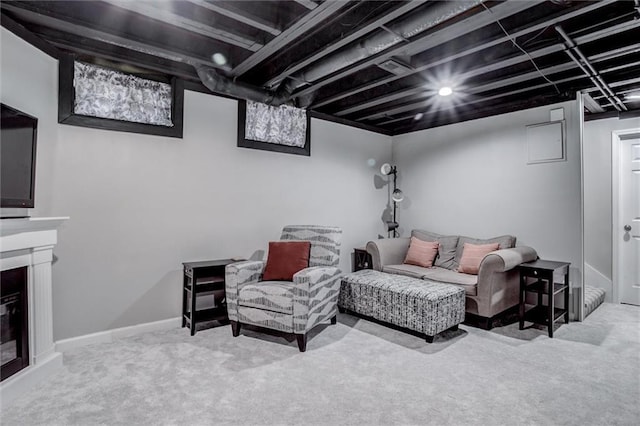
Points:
[[386, 37], [218, 83]]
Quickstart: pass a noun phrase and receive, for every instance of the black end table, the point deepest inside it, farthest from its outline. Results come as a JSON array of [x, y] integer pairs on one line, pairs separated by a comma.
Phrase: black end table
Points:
[[537, 277], [361, 259], [204, 277]]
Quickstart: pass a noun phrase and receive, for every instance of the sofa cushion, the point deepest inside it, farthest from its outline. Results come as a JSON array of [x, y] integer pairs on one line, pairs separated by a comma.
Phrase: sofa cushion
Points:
[[472, 255], [504, 241], [276, 296], [421, 253], [404, 269], [443, 275], [446, 250]]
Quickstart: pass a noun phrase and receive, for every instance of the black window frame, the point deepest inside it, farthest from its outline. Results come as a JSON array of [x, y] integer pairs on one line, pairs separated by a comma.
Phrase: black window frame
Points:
[[66, 115], [243, 142]]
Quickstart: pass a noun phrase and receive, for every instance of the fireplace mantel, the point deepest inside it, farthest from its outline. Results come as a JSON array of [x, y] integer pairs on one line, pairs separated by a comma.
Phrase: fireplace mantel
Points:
[[29, 242]]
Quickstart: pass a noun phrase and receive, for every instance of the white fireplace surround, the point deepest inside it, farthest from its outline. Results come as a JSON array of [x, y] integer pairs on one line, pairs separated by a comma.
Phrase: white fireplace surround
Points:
[[29, 242]]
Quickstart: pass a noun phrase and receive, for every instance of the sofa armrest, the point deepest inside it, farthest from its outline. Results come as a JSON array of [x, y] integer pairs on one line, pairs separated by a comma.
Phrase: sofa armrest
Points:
[[498, 280], [315, 296], [238, 275], [390, 251], [507, 259]]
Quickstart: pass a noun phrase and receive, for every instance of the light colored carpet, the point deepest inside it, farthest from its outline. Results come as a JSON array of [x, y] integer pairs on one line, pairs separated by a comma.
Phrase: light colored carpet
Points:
[[356, 372]]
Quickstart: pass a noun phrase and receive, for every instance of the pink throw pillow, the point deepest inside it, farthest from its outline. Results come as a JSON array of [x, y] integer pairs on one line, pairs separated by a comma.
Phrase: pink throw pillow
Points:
[[421, 253], [472, 255]]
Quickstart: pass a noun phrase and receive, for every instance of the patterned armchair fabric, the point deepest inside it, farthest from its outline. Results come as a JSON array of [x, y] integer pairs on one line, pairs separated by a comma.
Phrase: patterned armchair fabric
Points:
[[289, 306]]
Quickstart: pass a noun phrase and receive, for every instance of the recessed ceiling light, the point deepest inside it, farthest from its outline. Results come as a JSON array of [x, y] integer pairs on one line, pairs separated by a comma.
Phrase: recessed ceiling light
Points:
[[445, 91], [219, 59]]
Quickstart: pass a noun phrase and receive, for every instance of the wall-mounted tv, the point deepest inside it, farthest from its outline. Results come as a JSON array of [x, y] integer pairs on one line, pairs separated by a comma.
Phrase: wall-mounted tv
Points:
[[18, 137]]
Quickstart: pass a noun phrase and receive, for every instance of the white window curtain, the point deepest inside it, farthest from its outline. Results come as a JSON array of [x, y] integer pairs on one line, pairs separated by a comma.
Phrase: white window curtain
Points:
[[283, 125], [105, 93]]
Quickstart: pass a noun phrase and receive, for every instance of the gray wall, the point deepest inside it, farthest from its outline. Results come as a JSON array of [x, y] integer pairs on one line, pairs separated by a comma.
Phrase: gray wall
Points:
[[140, 205], [598, 239], [473, 178]]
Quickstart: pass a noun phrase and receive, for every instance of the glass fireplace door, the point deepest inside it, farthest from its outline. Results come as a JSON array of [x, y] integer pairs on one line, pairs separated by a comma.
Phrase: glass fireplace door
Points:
[[14, 326]]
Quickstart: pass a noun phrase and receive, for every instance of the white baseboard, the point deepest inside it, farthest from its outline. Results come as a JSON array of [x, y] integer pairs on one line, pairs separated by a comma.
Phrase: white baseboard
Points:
[[117, 333], [594, 278]]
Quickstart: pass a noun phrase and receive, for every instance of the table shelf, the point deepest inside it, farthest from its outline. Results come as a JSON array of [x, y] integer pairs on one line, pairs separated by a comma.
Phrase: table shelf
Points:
[[540, 315]]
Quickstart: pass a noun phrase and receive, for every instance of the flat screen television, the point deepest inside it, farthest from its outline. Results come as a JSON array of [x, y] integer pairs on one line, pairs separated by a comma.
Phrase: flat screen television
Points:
[[18, 136]]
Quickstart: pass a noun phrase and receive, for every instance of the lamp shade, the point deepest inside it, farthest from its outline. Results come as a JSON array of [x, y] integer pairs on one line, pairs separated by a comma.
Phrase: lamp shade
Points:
[[397, 195], [386, 168]]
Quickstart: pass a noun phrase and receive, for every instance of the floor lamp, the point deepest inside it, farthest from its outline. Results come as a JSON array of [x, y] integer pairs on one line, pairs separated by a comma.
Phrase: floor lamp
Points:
[[396, 196]]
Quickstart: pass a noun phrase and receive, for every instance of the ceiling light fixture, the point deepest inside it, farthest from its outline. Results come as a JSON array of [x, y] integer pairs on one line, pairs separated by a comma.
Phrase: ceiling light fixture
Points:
[[445, 91], [632, 95]]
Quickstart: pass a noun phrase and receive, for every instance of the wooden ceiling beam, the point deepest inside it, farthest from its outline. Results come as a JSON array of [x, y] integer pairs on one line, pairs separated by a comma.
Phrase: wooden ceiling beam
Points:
[[307, 3], [474, 114], [122, 55], [90, 31], [301, 26], [157, 12], [427, 40], [591, 104], [449, 58], [500, 65], [418, 108], [239, 15], [360, 32]]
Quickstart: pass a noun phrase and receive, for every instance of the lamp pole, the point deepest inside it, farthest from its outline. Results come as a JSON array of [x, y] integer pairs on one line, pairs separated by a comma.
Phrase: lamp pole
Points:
[[395, 204]]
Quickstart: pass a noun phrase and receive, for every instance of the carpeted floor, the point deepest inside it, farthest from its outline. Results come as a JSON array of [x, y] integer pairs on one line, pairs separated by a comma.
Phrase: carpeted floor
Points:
[[354, 373]]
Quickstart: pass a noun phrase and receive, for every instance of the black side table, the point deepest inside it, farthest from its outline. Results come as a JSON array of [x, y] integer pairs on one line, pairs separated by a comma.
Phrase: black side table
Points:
[[361, 259], [542, 272], [204, 277]]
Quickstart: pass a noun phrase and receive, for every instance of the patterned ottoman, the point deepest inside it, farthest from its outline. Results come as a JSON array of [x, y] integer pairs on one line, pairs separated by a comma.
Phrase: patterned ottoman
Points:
[[423, 306]]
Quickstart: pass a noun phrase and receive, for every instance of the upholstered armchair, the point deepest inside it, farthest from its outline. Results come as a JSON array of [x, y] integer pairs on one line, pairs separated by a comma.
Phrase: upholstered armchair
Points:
[[294, 306]]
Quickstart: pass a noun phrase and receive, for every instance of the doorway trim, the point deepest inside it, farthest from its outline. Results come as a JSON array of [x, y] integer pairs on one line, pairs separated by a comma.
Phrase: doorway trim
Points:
[[617, 136]]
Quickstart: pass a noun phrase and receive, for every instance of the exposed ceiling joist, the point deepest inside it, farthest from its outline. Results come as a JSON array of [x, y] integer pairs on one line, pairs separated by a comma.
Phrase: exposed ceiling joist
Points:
[[239, 15], [158, 12], [428, 40], [484, 88], [424, 67], [498, 65], [307, 3], [578, 57], [311, 19], [590, 104], [293, 68], [85, 30]]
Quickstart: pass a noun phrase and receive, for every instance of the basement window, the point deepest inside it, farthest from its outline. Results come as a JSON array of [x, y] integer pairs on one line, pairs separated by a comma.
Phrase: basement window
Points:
[[100, 97], [281, 129]]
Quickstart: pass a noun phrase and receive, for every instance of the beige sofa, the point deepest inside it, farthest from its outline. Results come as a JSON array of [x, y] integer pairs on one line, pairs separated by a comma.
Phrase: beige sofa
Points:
[[488, 294]]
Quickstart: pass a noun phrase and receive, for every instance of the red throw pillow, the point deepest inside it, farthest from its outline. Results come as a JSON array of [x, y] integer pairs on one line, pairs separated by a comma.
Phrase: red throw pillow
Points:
[[472, 255], [421, 253], [285, 258]]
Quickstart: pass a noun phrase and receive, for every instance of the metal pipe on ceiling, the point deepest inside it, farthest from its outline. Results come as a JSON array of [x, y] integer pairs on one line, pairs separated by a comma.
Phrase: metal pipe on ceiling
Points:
[[581, 60], [220, 84]]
